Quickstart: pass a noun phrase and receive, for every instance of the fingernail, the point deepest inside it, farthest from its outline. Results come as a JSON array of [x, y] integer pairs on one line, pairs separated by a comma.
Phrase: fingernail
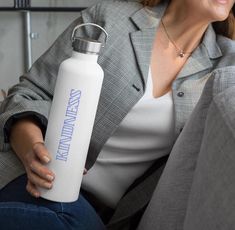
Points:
[[50, 177], [85, 171], [46, 159], [48, 185]]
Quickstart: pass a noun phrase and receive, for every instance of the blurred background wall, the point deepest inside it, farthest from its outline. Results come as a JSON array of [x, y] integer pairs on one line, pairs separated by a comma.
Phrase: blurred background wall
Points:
[[46, 25]]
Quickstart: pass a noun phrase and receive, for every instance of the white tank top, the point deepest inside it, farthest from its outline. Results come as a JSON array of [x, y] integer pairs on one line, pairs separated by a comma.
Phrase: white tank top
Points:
[[144, 135]]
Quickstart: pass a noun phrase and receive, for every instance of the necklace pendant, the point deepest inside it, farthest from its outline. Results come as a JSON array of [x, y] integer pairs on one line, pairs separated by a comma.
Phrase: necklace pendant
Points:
[[181, 54]]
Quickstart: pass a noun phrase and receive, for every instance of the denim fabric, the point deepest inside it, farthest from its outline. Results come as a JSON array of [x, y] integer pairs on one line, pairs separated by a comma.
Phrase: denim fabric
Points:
[[19, 210]]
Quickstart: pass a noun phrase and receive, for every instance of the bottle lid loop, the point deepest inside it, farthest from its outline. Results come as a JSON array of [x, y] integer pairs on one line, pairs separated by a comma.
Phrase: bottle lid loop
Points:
[[73, 37]]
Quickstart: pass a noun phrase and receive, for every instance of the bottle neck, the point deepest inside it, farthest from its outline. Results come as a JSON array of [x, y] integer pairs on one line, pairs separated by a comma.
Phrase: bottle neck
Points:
[[82, 56]]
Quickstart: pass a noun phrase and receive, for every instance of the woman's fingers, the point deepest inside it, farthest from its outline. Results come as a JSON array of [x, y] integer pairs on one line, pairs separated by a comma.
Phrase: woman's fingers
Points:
[[41, 171], [38, 181], [41, 152], [37, 172], [38, 176], [31, 188]]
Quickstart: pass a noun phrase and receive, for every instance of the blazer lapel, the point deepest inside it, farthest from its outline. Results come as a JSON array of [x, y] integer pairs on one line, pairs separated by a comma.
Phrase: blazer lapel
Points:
[[142, 44], [201, 58], [147, 22]]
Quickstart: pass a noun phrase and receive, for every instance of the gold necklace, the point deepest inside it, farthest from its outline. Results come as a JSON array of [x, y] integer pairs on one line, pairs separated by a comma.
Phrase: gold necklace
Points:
[[179, 51]]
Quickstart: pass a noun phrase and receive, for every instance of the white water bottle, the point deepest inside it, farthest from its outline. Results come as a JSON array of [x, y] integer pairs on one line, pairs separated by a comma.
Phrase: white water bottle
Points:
[[72, 117]]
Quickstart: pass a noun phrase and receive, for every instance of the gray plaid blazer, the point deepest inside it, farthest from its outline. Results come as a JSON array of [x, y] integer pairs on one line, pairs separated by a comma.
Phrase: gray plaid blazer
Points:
[[196, 189], [125, 61]]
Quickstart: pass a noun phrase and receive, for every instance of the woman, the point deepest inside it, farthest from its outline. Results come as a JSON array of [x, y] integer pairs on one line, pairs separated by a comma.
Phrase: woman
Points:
[[156, 63]]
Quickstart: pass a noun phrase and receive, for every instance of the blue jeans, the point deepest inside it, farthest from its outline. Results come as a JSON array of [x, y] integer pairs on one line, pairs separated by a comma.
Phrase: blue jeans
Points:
[[20, 210]]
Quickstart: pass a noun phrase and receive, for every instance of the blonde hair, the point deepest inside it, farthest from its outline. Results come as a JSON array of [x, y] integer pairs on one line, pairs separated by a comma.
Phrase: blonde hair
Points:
[[225, 28]]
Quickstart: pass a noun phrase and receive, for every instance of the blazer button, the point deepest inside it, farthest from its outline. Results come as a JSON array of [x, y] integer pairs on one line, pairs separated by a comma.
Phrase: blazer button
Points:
[[180, 94]]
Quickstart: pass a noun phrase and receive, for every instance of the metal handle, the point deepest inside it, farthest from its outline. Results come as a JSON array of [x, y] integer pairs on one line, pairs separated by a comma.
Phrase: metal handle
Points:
[[89, 24]]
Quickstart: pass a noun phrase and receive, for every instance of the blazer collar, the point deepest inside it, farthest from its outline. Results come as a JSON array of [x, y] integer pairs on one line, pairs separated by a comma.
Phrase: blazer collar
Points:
[[149, 17], [147, 20], [209, 41], [142, 39], [201, 58]]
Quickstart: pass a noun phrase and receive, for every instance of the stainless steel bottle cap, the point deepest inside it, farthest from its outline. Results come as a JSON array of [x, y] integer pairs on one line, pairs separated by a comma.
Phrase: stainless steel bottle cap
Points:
[[86, 45]]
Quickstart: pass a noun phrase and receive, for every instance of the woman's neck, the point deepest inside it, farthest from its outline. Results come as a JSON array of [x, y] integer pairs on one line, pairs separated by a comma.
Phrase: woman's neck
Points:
[[184, 26]]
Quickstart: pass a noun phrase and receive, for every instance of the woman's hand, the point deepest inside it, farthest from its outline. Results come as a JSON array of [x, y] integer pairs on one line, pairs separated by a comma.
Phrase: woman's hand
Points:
[[27, 141], [35, 165]]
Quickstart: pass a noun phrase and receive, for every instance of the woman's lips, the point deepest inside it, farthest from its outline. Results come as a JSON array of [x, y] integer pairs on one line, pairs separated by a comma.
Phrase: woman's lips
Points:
[[222, 1]]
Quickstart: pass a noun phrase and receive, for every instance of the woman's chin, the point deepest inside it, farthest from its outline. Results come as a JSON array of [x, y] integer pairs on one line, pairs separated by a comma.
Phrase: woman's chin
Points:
[[220, 9], [222, 18], [220, 15]]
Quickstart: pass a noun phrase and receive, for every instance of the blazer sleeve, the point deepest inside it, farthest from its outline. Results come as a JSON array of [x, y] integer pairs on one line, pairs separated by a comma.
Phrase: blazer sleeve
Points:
[[34, 92]]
